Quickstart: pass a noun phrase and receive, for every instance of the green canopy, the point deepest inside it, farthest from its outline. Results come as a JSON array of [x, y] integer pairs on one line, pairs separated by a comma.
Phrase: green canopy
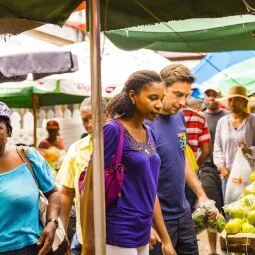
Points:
[[194, 35], [116, 14], [33, 95], [17, 16], [21, 95]]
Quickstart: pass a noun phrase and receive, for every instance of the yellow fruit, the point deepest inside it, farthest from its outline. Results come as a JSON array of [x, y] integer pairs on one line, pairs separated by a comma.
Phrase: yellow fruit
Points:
[[250, 189], [234, 226], [251, 217], [248, 228], [252, 177]]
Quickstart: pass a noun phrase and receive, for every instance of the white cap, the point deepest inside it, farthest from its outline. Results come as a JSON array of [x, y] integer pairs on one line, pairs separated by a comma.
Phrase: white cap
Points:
[[213, 88]]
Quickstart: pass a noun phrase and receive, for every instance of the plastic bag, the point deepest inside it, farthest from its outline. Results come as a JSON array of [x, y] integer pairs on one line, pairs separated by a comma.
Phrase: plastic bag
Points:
[[199, 218], [238, 178], [216, 225], [238, 209]]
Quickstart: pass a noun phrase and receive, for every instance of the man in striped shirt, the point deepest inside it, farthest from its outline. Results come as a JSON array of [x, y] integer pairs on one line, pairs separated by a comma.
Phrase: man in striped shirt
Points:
[[199, 139]]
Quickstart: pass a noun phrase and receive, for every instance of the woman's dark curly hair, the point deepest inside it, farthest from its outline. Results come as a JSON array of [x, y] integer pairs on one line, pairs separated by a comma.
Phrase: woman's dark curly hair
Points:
[[7, 123], [121, 105]]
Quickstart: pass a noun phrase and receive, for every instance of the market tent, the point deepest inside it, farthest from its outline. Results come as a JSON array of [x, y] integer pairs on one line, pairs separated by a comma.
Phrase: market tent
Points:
[[29, 94], [19, 16], [21, 55], [116, 67], [215, 63], [117, 14], [20, 94], [192, 35], [231, 68], [121, 14]]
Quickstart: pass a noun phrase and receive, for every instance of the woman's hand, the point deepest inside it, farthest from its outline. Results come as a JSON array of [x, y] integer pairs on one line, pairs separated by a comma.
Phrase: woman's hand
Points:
[[168, 249], [245, 148], [47, 237], [224, 171], [153, 239]]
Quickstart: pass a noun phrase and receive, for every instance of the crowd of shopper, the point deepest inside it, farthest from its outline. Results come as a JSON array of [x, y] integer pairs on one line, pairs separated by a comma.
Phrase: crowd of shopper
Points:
[[149, 124]]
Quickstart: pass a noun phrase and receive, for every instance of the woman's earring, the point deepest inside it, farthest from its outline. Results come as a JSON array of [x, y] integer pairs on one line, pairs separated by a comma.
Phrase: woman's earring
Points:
[[133, 102]]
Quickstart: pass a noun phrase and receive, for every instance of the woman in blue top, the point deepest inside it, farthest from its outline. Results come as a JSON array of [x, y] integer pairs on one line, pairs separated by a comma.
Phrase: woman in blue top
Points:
[[129, 220], [20, 230]]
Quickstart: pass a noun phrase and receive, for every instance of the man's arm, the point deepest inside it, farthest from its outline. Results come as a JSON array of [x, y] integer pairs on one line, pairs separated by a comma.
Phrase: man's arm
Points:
[[205, 150], [66, 198], [192, 180]]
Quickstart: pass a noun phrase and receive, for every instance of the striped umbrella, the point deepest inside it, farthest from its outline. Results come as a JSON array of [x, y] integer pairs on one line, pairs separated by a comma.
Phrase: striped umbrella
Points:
[[226, 69]]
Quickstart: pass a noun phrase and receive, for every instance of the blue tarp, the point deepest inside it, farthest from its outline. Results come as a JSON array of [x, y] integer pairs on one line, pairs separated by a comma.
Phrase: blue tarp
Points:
[[216, 62]]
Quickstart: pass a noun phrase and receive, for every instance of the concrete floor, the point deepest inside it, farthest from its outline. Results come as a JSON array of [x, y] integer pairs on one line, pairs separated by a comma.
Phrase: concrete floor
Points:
[[203, 245]]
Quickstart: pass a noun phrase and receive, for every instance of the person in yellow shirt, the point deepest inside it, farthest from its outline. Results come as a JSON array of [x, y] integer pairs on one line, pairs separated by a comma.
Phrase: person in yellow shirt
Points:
[[76, 158]]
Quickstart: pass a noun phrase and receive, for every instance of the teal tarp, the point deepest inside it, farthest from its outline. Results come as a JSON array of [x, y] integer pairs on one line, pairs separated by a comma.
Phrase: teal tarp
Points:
[[193, 35]]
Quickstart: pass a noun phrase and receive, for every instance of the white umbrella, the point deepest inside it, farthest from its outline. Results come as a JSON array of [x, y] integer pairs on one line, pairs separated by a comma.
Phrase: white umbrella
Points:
[[116, 67]]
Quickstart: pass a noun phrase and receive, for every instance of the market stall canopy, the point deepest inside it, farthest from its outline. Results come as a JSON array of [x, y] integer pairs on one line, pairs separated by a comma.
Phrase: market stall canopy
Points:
[[193, 35], [21, 55], [116, 14], [225, 69], [20, 94], [116, 67], [19, 16]]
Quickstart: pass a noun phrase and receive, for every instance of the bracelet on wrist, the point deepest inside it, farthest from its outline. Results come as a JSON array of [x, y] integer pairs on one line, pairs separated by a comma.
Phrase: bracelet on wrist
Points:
[[52, 220]]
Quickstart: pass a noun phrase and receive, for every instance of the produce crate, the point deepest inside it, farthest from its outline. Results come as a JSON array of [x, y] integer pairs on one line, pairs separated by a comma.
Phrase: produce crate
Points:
[[238, 243]]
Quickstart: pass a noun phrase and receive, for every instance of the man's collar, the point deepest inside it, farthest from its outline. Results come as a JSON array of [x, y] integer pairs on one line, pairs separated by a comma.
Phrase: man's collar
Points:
[[85, 141]]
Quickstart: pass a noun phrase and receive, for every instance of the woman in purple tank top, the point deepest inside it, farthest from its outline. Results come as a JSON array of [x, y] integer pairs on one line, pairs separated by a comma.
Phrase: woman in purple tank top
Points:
[[129, 219]]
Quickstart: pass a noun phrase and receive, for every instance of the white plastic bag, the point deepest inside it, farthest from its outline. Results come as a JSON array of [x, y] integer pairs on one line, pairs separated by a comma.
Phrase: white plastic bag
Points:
[[238, 178]]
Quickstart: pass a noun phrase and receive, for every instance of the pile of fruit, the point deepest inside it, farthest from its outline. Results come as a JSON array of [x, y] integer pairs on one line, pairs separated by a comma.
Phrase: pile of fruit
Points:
[[242, 212]]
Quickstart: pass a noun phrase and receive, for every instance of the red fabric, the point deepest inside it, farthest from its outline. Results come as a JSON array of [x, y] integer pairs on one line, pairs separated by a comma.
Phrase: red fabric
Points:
[[197, 130]]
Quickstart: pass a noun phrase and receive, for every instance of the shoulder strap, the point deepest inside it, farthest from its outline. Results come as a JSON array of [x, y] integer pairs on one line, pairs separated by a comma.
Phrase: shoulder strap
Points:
[[121, 142], [23, 155]]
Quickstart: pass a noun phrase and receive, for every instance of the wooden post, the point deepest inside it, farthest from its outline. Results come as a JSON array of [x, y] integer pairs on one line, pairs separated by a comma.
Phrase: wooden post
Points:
[[98, 145], [35, 102]]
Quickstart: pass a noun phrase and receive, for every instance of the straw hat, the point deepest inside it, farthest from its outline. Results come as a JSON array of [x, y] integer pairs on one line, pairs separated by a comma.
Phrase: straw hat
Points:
[[236, 91]]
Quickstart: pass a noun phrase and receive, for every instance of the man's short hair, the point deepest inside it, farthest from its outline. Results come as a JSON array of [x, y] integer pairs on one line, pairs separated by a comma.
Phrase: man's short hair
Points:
[[86, 104], [176, 73]]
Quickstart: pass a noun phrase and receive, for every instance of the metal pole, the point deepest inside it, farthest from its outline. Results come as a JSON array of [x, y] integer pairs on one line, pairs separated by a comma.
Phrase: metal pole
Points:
[[98, 153], [35, 102]]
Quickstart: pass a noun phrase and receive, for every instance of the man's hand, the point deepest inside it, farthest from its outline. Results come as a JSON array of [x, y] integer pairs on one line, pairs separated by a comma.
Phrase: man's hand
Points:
[[206, 203], [213, 214], [153, 239], [47, 238], [224, 171], [168, 249]]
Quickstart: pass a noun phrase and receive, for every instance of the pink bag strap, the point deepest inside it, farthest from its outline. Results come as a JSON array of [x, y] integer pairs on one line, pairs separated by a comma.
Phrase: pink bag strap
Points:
[[121, 143]]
